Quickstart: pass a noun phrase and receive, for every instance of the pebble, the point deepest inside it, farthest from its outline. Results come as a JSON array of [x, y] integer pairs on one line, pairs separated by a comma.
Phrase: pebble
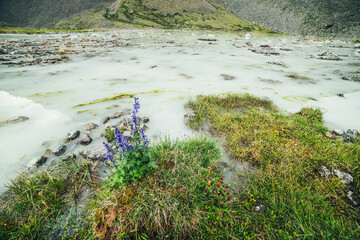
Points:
[[73, 134], [60, 150], [84, 139]]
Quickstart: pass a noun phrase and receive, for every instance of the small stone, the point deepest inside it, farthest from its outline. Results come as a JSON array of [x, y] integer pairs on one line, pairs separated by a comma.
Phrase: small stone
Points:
[[123, 125], [324, 172], [349, 195], [276, 62], [352, 134], [66, 141], [190, 115], [105, 120], [271, 81], [88, 127], [14, 120], [338, 132], [144, 126], [73, 134], [227, 77], [85, 139], [68, 157], [47, 153], [144, 120], [260, 208], [340, 95], [94, 153], [344, 177], [3, 51], [117, 115], [354, 78], [60, 150], [329, 135], [286, 49], [37, 162], [265, 45]]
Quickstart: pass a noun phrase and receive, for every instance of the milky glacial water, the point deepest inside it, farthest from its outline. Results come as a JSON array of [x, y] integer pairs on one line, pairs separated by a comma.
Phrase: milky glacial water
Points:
[[166, 69]]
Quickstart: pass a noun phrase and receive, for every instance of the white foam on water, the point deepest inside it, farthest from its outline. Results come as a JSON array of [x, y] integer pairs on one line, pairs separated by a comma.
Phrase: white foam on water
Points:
[[20, 141]]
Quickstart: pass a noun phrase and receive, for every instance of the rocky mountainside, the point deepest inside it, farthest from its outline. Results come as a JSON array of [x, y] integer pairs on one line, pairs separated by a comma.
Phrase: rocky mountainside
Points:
[[43, 13], [307, 17]]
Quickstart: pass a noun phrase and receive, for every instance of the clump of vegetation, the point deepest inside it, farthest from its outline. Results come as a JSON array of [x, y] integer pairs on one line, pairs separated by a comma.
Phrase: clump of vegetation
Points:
[[170, 202], [288, 151], [133, 157], [300, 77], [36, 206]]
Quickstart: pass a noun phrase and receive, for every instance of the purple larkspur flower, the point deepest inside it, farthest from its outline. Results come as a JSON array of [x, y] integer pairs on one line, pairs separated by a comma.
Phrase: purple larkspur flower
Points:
[[109, 154]]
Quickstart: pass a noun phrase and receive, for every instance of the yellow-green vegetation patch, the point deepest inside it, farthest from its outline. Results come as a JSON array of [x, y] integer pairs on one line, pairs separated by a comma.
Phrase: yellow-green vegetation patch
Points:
[[288, 151], [118, 96], [300, 77], [355, 64], [214, 17], [294, 98], [46, 94]]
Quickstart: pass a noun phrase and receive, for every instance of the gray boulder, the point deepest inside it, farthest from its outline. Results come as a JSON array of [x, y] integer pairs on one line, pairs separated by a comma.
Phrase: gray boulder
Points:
[[344, 177], [324, 172], [94, 153], [88, 127], [68, 157], [84, 139], [352, 134], [37, 162], [338, 132], [60, 150], [117, 115], [73, 134]]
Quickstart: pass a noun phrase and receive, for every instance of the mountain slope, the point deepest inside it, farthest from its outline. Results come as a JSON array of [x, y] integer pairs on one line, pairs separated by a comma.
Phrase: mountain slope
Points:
[[306, 17], [43, 13]]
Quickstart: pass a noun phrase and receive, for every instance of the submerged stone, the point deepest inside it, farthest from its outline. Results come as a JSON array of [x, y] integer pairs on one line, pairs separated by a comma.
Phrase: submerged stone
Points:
[[227, 77], [73, 134], [88, 127], [117, 115], [60, 150], [37, 162], [84, 139], [68, 157], [14, 120]]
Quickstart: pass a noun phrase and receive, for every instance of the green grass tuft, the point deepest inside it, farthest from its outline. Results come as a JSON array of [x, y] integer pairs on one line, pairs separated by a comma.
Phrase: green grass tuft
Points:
[[288, 151]]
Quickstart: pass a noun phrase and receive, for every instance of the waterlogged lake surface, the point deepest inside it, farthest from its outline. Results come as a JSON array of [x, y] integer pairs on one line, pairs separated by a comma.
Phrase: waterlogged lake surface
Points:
[[165, 69]]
